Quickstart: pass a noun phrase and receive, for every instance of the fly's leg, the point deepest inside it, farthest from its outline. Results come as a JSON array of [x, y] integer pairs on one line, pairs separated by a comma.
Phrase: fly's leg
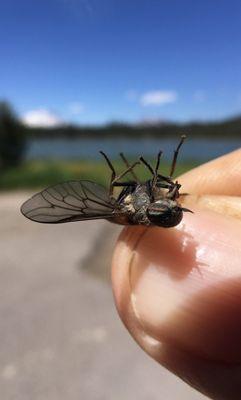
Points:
[[126, 162], [124, 184], [147, 165], [158, 162], [113, 173], [155, 172], [183, 137], [154, 180], [129, 169], [173, 194], [114, 178]]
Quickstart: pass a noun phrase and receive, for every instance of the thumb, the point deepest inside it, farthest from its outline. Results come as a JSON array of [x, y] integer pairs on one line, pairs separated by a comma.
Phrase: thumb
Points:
[[178, 291]]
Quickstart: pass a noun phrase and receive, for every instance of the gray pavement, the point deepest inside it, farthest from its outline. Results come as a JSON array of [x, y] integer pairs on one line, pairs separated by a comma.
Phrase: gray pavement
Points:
[[60, 336]]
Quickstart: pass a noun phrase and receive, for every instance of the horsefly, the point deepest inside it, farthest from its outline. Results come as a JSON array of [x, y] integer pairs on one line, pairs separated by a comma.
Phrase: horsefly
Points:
[[154, 202]]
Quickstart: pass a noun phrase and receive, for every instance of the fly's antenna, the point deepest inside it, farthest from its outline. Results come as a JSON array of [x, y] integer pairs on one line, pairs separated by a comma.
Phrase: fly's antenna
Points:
[[126, 162], [187, 210], [174, 161]]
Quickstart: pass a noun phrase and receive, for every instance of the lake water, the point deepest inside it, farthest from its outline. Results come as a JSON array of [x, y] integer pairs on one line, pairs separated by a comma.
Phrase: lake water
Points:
[[194, 149]]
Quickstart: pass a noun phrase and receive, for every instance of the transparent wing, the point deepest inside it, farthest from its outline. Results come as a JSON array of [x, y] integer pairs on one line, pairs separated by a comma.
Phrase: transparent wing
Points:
[[70, 201]]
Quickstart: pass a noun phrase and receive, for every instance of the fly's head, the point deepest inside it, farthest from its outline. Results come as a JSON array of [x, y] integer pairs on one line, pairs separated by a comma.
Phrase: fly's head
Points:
[[166, 213], [165, 210]]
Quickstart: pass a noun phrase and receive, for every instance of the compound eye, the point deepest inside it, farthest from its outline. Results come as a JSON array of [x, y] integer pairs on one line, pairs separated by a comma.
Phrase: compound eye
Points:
[[163, 215]]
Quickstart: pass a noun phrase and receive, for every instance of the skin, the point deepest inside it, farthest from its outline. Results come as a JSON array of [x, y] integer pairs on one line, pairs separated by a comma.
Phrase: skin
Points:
[[178, 290]]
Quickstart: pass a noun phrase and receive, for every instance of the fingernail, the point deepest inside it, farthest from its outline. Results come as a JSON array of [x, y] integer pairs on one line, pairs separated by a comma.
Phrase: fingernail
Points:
[[185, 284]]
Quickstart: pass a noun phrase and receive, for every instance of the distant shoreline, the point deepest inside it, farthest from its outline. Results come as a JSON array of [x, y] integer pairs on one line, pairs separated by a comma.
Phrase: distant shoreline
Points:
[[213, 130]]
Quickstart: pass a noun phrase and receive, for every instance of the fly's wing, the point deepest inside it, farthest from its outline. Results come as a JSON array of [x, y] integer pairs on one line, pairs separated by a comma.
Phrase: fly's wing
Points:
[[70, 201]]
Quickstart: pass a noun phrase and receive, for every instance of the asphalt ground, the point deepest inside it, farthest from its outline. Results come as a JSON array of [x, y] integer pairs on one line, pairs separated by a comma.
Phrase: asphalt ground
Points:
[[60, 335]]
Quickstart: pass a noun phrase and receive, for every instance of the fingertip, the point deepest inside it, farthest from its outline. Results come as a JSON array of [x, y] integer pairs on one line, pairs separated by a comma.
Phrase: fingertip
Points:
[[181, 286], [220, 176]]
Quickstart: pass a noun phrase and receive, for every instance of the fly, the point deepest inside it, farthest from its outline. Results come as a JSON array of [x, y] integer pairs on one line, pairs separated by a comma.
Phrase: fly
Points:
[[151, 203]]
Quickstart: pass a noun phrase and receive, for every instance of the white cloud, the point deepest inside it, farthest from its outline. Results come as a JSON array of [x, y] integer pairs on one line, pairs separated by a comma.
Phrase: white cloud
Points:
[[158, 98], [199, 96], [41, 117], [76, 108]]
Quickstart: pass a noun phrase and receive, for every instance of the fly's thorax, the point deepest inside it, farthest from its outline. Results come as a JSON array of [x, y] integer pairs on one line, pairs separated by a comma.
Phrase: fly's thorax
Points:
[[134, 206], [165, 212], [128, 203], [137, 200]]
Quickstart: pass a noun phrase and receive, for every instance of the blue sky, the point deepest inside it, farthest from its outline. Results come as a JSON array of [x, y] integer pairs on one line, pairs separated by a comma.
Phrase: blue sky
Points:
[[94, 61]]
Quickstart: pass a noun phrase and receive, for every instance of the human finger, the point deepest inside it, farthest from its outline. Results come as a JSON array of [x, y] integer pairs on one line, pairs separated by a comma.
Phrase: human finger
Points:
[[178, 292], [221, 176]]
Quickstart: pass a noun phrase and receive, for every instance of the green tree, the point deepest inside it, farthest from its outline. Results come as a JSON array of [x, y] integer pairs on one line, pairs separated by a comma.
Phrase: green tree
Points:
[[12, 137]]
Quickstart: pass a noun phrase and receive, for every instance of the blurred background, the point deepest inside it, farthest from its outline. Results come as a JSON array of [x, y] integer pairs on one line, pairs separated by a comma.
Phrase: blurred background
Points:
[[76, 77]]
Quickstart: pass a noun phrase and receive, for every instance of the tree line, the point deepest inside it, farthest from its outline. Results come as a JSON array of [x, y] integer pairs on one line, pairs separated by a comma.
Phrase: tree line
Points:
[[14, 135], [226, 129]]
